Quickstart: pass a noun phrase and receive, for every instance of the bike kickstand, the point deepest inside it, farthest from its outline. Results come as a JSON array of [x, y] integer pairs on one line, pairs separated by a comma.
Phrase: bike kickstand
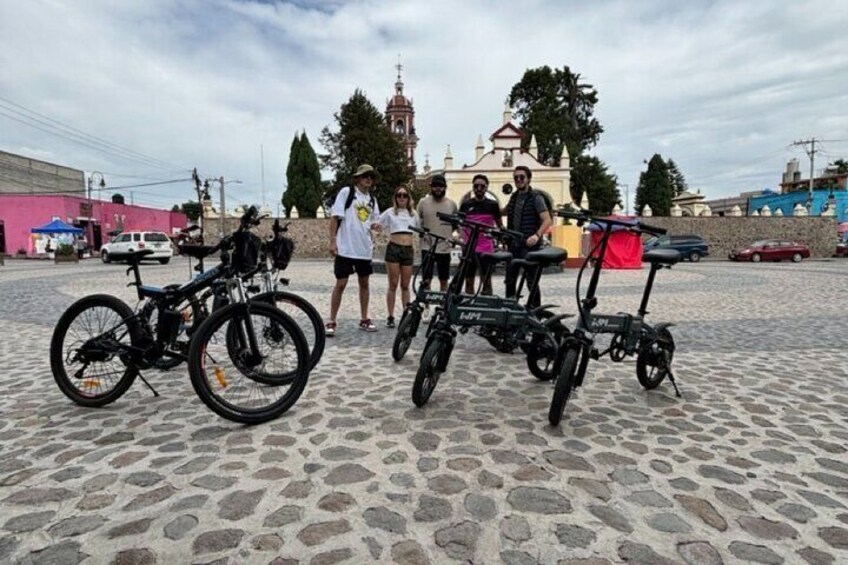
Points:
[[153, 390], [674, 384]]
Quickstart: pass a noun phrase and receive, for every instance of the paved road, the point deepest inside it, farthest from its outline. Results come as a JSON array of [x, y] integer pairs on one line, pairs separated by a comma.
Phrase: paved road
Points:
[[750, 466]]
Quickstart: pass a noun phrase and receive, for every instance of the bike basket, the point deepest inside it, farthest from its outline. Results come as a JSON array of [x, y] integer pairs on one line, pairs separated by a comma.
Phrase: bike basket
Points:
[[245, 255], [280, 250]]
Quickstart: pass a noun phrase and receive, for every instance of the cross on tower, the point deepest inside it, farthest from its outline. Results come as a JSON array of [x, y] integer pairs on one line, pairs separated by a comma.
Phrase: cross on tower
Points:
[[399, 67]]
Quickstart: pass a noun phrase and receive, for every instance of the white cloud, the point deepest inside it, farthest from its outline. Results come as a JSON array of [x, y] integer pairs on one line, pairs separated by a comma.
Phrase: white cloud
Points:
[[721, 87]]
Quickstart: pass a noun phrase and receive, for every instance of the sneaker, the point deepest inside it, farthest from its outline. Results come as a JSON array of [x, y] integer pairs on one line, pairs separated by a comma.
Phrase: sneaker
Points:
[[390, 322], [330, 329], [367, 326]]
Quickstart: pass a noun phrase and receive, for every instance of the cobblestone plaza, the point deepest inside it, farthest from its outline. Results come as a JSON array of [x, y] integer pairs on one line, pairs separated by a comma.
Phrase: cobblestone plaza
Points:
[[749, 466]]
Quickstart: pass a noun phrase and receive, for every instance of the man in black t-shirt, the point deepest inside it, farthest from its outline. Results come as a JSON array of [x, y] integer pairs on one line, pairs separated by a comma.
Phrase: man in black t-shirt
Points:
[[479, 207], [528, 213]]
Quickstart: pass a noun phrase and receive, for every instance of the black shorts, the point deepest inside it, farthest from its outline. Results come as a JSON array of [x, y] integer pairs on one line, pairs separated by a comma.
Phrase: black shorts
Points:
[[345, 266], [402, 254], [441, 261]]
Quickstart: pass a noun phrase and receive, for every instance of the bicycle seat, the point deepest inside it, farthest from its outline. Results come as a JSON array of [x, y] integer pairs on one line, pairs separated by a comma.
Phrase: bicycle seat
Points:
[[494, 258], [135, 257], [152, 291], [662, 256], [196, 251], [547, 256]]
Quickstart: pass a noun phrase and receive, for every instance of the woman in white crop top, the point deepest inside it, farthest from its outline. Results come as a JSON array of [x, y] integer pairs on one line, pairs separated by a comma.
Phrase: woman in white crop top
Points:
[[396, 220]]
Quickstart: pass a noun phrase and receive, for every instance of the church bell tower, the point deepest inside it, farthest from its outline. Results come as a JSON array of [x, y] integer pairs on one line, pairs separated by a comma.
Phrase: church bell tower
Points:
[[400, 117]]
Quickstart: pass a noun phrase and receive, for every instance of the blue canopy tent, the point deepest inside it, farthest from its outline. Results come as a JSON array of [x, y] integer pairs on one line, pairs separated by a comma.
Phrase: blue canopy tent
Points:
[[57, 226]]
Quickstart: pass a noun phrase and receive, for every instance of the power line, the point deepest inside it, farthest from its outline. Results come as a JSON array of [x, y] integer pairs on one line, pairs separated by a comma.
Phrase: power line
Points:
[[78, 136]]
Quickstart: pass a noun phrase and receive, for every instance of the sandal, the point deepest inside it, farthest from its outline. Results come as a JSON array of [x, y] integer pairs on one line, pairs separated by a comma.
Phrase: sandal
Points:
[[330, 329], [367, 326]]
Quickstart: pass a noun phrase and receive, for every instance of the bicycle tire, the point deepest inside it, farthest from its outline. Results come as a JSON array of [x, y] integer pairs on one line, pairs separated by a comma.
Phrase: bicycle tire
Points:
[[564, 385], [314, 332], [427, 376], [658, 355], [280, 329], [407, 329], [58, 355]]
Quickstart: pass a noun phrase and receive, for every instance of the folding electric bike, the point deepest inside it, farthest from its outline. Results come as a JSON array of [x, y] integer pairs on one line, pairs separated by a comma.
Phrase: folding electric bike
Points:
[[631, 335], [546, 330]]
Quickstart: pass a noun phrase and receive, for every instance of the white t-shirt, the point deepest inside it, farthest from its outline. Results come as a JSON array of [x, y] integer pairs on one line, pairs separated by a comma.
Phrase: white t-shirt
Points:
[[400, 222], [353, 237]]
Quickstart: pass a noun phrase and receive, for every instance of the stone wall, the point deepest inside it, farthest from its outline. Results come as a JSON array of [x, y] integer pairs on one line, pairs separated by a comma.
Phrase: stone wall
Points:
[[721, 233], [311, 236], [726, 233]]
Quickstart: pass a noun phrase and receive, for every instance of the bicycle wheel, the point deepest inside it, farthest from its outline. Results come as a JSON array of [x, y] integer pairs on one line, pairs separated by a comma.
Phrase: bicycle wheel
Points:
[[542, 356], [654, 360], [305, 315], [429, 372], [564, 384], [249, 387], [407, 329], [89, 347]]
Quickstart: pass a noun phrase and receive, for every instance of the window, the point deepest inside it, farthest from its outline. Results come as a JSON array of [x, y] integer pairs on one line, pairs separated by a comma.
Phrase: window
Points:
[[155, 237], [136, 237], [399, 127], [124, 238]]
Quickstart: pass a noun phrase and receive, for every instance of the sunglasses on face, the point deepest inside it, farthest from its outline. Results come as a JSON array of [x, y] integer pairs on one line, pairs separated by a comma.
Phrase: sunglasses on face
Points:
[[482, 186], [438, 186], [519, 177], [401, 195]]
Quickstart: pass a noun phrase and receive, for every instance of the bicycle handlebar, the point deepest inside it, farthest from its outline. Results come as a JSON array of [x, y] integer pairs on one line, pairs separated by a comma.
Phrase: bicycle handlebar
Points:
[[588, 216]]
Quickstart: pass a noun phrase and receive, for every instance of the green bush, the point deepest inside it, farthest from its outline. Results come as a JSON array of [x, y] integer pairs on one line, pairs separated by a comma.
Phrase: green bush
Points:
[[65, 250]]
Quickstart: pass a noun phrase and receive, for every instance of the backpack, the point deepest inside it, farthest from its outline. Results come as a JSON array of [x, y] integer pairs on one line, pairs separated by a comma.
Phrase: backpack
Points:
[[280, 249], [351, 194]]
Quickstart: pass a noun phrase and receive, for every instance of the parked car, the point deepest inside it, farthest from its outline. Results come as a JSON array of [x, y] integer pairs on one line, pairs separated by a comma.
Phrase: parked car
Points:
[[691, 247], [771, 250], [841, 248], [130, 241]]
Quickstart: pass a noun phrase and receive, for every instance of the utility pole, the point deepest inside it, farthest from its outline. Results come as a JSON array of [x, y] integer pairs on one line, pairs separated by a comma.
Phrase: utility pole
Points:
[[811, 153]]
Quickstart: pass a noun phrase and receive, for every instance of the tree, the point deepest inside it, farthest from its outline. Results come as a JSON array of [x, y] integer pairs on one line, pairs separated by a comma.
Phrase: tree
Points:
[[556, 107], [589, 175], [364, 137], [678, 181], [303, 178], [655, 188], [841, 166], [288, 199], [191, 209], [117, 198]]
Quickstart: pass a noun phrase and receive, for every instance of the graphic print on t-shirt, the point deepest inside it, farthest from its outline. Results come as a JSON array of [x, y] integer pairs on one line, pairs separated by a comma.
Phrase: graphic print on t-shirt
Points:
[[363, 211]]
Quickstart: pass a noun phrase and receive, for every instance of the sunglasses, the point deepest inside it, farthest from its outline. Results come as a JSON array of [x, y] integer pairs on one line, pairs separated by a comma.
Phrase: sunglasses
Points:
[[480, 186], [437, 186], [401, 195], [519, 177]]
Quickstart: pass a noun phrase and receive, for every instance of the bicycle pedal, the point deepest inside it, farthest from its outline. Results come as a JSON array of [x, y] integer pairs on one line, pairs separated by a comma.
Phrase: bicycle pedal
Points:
[[594, 354]]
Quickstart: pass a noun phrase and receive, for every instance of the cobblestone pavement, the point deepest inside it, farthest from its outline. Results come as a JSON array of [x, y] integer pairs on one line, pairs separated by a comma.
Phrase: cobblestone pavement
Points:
[[750, 466]]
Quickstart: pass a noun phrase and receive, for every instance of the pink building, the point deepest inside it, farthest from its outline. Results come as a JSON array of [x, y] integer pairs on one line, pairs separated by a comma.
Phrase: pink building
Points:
[[19, 214]]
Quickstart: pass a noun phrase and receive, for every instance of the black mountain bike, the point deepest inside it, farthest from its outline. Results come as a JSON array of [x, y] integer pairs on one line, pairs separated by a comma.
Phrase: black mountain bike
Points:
[[99, 345], [464, 312], [274, 258], [412, 314], [631, 335]]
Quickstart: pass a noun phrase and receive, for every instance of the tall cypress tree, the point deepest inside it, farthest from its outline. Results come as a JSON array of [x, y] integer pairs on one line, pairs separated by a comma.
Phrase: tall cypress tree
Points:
[[655, 188], [364, 137], [290, 195], [678, 181], [310, 189]]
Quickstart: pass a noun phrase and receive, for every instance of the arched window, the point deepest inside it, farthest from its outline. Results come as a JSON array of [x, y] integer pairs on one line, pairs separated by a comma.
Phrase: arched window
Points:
[[400, 127]]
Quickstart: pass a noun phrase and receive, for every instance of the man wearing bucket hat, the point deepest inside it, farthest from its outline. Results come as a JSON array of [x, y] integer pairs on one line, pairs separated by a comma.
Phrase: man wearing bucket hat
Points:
[[355, 214]]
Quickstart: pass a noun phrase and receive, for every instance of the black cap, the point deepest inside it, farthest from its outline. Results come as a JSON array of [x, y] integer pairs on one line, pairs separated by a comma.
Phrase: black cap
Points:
[[438, 180]]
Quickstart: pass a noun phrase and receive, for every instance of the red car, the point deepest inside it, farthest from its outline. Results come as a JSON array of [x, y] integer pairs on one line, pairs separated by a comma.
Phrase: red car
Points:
[[771, 250]]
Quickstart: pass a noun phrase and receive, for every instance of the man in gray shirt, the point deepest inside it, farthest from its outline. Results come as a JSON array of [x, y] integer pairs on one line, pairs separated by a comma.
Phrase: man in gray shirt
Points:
[[427, 209]]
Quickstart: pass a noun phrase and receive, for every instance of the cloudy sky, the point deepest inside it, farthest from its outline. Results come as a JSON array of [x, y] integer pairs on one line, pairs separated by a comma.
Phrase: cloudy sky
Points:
[[144, 90]]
